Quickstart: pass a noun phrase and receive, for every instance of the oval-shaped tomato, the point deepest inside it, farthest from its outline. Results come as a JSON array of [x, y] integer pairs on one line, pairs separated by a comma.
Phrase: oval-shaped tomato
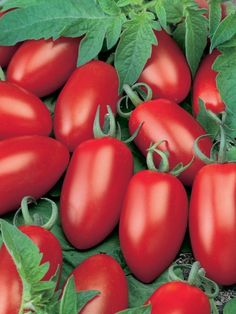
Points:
[[22, 113], [179, 297], [93, 190], [93, 84], [213, 223], [10, 281], [153, 223], [29, 165], [204, 86], [165, 120], [102, 272], [167, 71], [6, 52], [42, 66]]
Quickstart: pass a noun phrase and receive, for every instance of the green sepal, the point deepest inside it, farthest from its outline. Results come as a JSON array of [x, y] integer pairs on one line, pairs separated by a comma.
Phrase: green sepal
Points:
[[145, 309]]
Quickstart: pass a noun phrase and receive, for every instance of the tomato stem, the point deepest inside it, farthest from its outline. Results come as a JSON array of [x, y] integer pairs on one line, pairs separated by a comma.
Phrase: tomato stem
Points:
[[37, 221], [164, 164]]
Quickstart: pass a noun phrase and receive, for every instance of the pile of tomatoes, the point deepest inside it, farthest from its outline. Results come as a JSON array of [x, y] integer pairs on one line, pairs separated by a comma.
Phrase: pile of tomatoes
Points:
[[100, 188]]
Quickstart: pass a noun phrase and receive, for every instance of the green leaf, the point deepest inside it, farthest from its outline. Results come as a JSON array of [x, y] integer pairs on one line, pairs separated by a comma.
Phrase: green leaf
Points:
[[27, 259], [195, 36], [83, 297], [145, 309], [174, 10], [2, 75], [68, 304], [20, 3], [109, 7], [179, 35], [114, 31], [161, 13], [225, 65], [208, 124], [231, 154], [215, 13], [44, 20], [225, 31], [230, 307], [134, 48], [123, 3]]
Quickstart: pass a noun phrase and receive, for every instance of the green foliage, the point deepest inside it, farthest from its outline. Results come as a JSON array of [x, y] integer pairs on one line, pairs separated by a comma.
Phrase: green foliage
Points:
[[230, 307]]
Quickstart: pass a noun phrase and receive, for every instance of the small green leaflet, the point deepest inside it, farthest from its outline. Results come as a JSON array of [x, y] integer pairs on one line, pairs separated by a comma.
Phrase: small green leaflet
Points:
[[145, 309], [174, 10], [27, 258], [225, 31], [2, 75], [109, 7], [195, 36], [161, 13], [230, 307], [83, 297], [215, 13], [134, 48], [225, 65]]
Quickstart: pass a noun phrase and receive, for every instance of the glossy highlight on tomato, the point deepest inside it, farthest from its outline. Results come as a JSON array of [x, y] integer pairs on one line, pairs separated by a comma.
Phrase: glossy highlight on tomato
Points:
[[153, 223], [93, 84], [10, 282], [42, 66], [212, 221], [102, 272], [6, 52], [205, 88], [93, 190], [167, 71], [179, 297], [164, 120], [22, 113], [29, 165]]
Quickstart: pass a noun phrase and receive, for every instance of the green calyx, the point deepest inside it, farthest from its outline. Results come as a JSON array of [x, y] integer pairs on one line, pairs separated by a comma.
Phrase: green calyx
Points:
[[2, 75], [222, 143], [137, 94], [37, 219], [110, 127], [164, 163], [196, 277]]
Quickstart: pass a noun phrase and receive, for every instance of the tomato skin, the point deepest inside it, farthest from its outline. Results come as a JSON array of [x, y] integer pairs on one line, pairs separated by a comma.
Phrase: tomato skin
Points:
[[6, 52], [167, 71], [165, 120], [24, 112], [179, 297], [93, 84], [29, 165], [42, 66], [212, 221], [155, 203], [10, 281], [93, 190], [102, 272], [204, 4], [204, 86]]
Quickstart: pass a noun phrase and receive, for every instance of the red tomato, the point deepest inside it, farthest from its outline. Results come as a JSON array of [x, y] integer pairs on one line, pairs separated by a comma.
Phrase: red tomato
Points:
[[213, 223], [165, 120], [29, 165], [153, 223], [204, 86], [179, 297], [6, 52], [93, 190], [102, 272], [10, 282], [42, 66], [224, 6], [22, 113], [167, 71], [95, 83]]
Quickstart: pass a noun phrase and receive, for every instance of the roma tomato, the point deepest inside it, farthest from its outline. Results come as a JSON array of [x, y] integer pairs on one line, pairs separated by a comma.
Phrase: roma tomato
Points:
[[167, 71], [93, 84], [204, 86], [212, 221], [93, 190], [10, 281], [165, 120], [6, 52], [22, 113], [42, 66], [102, 272], [179, 297], [29, 165], [153, 223], [224, 6]]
